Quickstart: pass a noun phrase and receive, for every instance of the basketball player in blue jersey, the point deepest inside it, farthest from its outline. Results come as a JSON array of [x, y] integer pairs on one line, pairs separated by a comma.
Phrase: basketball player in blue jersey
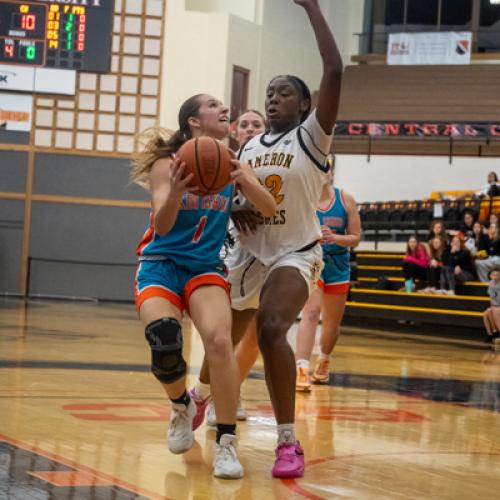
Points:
[[341, 228], [249, 124], [180, 270]]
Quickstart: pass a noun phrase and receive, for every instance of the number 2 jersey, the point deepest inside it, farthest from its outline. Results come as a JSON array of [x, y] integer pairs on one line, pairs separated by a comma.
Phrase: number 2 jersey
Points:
[[292, 166], [198, 234]]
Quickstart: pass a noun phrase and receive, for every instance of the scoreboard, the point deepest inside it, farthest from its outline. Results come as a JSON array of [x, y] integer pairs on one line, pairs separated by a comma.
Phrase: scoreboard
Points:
[[65, 34]]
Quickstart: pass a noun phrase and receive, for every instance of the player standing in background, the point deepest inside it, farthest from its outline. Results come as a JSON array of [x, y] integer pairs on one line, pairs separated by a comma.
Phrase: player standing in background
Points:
[[341, 227], [275, 266], [249, 124], [180, 269]]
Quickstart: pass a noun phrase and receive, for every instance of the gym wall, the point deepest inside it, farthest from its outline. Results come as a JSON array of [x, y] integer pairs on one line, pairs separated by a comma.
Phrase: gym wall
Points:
[[70, 220]]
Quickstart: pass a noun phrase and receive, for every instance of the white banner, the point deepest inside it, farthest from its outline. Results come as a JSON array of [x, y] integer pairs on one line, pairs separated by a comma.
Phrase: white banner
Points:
[[15, 111], [40, 80], [429, 48]]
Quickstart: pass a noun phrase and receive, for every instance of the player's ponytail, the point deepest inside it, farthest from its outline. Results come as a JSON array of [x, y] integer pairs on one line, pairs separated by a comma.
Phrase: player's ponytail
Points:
[[156, 143]]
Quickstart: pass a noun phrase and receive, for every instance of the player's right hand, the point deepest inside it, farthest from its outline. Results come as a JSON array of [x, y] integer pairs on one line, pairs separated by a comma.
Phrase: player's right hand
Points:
[[178, 183]]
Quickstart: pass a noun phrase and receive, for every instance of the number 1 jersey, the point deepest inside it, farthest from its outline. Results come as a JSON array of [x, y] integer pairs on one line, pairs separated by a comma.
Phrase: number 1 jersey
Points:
[[198, 233]]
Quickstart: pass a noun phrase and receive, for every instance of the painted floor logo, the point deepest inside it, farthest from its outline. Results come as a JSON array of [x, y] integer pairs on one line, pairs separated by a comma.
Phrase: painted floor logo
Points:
[[27, 474], [150, 412]]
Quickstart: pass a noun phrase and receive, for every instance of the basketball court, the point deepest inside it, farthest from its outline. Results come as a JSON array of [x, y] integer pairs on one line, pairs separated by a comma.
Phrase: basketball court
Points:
[[411, 411], [81, 416]]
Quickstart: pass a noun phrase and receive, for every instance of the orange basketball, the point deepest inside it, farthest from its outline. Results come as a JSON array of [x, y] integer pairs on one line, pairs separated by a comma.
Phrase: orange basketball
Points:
[[210, 162]]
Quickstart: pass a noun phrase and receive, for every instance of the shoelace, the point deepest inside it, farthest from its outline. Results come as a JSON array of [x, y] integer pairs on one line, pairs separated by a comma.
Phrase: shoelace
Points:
[[178, 417], [289, 457], [227, 452]]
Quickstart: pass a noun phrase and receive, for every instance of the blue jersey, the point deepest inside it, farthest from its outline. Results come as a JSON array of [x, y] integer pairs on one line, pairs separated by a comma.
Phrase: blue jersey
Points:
[[335, 217], [198, 234]]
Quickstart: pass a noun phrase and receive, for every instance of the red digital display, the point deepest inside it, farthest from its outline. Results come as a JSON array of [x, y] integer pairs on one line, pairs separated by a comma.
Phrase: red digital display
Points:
[[72, 34], [9, 51], [28, 22]]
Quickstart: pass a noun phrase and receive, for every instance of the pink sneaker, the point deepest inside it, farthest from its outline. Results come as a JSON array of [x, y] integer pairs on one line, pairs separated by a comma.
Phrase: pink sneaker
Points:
[[201, 405], [289, 461]]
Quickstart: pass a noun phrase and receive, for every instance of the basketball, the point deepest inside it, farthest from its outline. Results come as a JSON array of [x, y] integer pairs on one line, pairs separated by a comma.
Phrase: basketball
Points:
[[210, 162]]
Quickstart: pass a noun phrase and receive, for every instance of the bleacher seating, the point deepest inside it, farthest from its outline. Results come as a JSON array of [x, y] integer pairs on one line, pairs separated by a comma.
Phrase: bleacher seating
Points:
[[396, 220], [365, 301]]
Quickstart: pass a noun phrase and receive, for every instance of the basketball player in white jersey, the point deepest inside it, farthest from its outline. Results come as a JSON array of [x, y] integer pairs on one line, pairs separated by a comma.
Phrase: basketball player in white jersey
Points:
[[272, 271]]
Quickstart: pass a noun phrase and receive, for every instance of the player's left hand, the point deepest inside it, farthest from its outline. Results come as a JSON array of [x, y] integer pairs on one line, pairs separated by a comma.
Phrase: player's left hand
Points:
[[242, 172], [328, 236]]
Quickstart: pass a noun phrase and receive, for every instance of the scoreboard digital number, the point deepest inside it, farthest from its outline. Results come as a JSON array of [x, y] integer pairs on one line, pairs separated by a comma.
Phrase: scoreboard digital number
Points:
[[65, 34]]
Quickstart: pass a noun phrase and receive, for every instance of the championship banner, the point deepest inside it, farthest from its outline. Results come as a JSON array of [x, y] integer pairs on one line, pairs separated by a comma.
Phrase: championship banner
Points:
[[15, 112], [417, 129], [429, 48]]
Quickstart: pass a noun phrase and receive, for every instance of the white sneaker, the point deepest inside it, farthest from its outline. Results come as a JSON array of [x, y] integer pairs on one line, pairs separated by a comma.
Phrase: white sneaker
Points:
[[211, 418], [495, 345], [226, 463], [241, 413], [180, 435]]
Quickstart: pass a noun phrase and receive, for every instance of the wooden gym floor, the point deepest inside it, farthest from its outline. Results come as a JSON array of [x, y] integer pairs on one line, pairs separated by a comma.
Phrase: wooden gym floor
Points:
[[81, 417]]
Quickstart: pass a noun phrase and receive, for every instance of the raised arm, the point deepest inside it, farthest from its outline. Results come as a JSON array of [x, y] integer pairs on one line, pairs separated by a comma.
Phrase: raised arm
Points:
[[167, 187], [329, 89]]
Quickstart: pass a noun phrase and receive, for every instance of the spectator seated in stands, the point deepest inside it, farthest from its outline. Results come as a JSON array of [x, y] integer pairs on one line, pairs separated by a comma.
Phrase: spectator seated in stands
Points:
[[491, 317], [491, 188], [437, 230], [436, 250], [488, 257], [478, 241], [467, 224], [457, 266], [492, 219], [415, 263]]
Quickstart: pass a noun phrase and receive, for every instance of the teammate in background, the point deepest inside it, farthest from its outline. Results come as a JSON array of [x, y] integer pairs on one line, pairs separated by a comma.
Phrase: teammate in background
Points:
[[271, 272], [179, 271], [491, 317], [249, 124], [341, 228]]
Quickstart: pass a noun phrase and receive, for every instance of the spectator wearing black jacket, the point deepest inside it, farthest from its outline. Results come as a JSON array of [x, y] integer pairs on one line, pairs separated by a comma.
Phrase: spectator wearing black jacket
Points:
[[457, 266], [467, 225], [488, 255], [478, 240]]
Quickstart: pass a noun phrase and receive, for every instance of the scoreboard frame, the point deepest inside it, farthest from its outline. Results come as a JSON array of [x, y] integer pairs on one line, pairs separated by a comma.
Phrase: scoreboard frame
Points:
[[75, 34]]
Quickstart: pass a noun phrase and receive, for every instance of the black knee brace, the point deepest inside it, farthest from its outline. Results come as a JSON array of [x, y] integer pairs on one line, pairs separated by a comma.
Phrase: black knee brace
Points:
[[165, 339]]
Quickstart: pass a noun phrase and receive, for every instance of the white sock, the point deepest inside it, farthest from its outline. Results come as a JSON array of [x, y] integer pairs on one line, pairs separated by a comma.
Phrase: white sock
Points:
[[324, 356], [286, 434], [202, 391], [303, 363]]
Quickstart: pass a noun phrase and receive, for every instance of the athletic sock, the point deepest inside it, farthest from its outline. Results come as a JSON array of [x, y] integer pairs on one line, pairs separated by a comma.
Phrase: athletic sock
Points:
[[286, 434], [303, 363], [202, 391], [184, 399], [324, 356], [225, 429]]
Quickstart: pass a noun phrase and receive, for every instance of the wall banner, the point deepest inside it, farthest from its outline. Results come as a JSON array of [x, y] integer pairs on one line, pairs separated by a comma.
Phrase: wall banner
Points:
[[15, 112], [447, 47], [417, 129]]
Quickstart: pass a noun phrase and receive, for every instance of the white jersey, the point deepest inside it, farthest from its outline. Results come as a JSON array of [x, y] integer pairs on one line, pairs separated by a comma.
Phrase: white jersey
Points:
[[292, 167]]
